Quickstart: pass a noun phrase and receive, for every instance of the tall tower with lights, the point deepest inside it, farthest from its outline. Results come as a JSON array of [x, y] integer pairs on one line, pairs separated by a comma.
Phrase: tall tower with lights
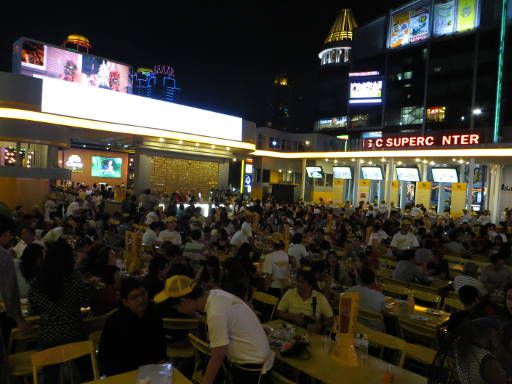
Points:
[[332, 84]]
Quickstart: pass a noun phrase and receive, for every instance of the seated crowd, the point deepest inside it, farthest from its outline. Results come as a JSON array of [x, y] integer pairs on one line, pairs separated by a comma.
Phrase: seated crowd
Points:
[[69, 263]]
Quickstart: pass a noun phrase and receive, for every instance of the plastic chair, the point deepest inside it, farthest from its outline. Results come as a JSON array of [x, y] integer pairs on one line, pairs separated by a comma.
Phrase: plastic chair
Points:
[[454, 259], [180, 349], [62, 354], [268, 300], [202, 354], [420, 353], [431, 299], [452, 305], [19, 358], [96, 323], [95, 338], [396, 291], [384, 273], [370, 317], [383, 340], [411, 330], [277, 378]]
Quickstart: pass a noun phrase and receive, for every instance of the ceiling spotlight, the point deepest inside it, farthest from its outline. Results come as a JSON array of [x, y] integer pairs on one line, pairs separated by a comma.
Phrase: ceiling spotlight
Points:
[[383, 159], [197, 144], [289, 171], [362, 161], [161, 139], [335, 161], [425, 161], [432, 163], [370, 162], [353, 159], [418, 160], [234, 159], [228, 148], [280, 171], [399, 163], [212, 146], [461, 161], [454, 159], [477, 111], [307, 142], [180, 142], [326, 160], [274, 143]]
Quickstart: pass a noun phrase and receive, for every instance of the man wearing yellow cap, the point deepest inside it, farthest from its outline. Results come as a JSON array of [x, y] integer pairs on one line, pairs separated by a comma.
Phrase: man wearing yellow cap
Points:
[[277, 266], [170, 233], [234, 330], [404, 239]]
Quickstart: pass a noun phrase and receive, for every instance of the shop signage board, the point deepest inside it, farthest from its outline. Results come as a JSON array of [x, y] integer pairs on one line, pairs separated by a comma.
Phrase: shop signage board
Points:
[[412, 142], [363, 193]]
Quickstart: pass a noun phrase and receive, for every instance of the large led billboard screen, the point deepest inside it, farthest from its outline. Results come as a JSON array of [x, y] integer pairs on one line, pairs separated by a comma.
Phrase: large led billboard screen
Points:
[[365, 91], [37, 59]]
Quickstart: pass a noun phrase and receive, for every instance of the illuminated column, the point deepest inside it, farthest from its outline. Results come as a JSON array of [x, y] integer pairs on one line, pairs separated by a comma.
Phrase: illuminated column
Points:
[[355, 189], [303, 180], [242, 172], [424, 172], [496, 174], [441, 199], [143, 171], [390, 176], [469, 196]]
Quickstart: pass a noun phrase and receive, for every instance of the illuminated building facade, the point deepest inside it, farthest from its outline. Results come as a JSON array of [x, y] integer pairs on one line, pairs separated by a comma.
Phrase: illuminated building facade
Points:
[[428, 67], [158, 83]]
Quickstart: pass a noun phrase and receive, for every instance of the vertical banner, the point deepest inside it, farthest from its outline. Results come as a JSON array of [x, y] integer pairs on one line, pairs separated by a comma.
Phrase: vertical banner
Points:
[[400, 29], [395, 187], [420, 23], [423, 193], [337, 190], [458, 201], [466, 15], [363, 191], [444, 17]]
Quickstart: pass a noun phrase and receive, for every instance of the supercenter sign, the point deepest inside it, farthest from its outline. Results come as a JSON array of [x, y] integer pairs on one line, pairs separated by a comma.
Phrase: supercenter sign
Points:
[[422, 141]]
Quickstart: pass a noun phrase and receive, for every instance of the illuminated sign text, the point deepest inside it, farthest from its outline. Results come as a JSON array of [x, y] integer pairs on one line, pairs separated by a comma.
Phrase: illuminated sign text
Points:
[[422, 141]]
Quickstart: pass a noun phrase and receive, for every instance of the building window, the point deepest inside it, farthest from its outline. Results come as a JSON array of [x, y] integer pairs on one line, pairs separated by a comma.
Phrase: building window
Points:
[[411, 115], [436, 114]]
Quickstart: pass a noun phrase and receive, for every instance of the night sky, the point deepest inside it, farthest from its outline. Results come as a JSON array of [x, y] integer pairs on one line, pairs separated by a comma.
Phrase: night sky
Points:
[[225, 53]]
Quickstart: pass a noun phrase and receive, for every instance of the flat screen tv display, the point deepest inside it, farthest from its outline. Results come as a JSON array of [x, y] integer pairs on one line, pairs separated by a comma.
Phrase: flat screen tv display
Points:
[[315, 172], [365, 91], [106, 166], [407, 174], [372, 173], [445, 175], [342, 173]]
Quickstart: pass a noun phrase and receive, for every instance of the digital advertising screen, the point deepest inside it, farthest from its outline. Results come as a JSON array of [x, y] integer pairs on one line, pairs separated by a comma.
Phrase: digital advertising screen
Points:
[[315, 172], [445, 175], [43, 60], [371, 173], [106, 166], [342, 173], [407, 174], [365, 91]]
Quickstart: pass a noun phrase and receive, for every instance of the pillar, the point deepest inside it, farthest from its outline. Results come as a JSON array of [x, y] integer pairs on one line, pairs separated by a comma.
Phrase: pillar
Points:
[[303, 180], [390, 176], [357, 176], [142, 171], [496, 175], [471, 175]]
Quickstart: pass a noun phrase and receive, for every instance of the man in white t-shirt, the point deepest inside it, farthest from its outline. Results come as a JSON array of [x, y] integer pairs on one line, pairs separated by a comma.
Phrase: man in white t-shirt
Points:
[[150, 236], [297, 251], [377, 235], [234, 330], [170, 233], [405, 239], [28, 236], [242, 236], [73, 208], [277, 266]]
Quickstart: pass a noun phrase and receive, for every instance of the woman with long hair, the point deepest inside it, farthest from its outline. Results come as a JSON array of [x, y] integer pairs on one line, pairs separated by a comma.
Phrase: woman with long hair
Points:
[[57, 294], [211, 274], [475, 352]]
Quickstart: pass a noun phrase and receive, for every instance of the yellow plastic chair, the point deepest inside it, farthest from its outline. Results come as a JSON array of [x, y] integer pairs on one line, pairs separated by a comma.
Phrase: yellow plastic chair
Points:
[[453, 295], [387, 263], [181, 349], [411, 330], [95, 338], [383, 340], [454, 259], [266, 299], [202, 354], [384, 273], [370, 316], [452, 305], [429, 298], [424, 288], [96, 323], [62, 354], [277, 378], [396, 291], [19, 358], [420, 353]]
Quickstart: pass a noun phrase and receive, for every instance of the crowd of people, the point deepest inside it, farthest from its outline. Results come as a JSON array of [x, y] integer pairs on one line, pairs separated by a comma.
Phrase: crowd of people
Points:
[[64, 260]]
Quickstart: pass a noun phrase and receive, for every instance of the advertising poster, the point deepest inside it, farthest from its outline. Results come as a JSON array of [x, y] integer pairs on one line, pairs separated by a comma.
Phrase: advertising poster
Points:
[[423, 193], [40, 60], [466, 15], [419, 24], [444, 17], [458, 202], [395, 187], [400, 29], [337, 190], [363, 192]]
